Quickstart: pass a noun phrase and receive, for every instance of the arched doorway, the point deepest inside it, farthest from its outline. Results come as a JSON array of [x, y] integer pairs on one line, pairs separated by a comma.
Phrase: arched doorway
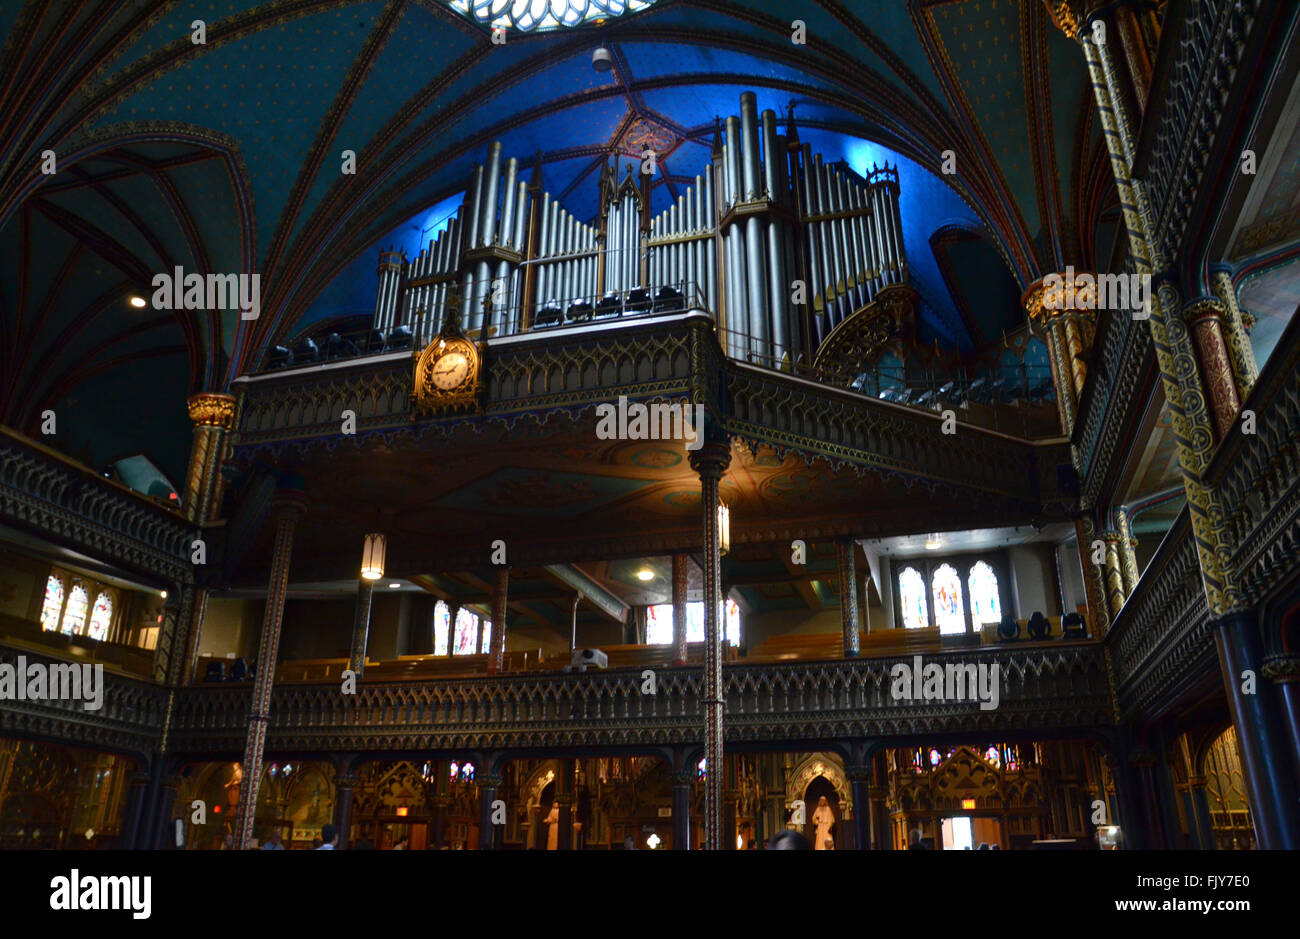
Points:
[[817, 829]]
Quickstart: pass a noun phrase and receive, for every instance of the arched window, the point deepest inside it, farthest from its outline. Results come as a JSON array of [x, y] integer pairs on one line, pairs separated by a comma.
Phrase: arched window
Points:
[[467, 772], [699, 768], [466, 633], [659, 623], [911, 593], [985, 607], [101, 617], [991, 756], [935, 757], [455, 770], [946, 589], [441, 630], [487, 635], [74, 614], [53, 604]]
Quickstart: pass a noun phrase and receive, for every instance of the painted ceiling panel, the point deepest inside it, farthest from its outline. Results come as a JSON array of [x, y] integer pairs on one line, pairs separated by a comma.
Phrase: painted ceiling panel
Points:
[[175, 24], [271, 91]]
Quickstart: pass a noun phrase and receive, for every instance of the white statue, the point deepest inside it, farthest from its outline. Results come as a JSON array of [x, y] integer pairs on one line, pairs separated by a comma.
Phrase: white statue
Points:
[[553, 828], [823, 818]]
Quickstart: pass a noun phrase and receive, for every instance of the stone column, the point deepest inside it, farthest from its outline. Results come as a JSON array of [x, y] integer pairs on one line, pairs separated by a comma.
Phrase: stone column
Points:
[[453, 610], [680, 581], [844, 548], [128, 838], [361, 627], [730, 799], [1205, 317], [497, 656], [487, 793], [212, 414], [1127, 558], [1115, 593], [710, 461], [859, 786], [1284, 673], [1265, 755], [1132, 818], [1053, 310], [1245, 371], [344, 784], [290, 505], [564, 796], [682, 783], [1198, 814]]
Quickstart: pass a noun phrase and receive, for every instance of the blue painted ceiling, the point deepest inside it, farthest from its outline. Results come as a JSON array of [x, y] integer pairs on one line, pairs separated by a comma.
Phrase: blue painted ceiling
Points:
[[226, 156]]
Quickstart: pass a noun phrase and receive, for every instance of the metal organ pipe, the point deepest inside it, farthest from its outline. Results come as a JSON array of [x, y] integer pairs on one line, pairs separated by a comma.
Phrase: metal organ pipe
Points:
[[706, 246], [508, 202], [488, 211], [473, 201], [752, 178]]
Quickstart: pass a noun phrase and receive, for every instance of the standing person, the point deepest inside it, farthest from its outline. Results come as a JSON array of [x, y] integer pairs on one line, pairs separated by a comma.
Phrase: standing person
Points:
[[917, 843], [273, 842], [329, 837]]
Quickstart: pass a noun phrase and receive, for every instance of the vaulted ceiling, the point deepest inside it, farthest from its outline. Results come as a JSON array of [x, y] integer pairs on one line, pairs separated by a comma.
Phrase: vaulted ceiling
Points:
[[226, 156]]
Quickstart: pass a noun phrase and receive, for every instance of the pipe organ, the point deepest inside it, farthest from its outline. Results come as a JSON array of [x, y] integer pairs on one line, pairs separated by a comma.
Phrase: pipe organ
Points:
[[777, 245]]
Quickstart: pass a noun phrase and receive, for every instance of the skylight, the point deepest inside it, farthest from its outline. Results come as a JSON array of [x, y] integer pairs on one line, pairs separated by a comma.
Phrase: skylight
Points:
[[528, 15]]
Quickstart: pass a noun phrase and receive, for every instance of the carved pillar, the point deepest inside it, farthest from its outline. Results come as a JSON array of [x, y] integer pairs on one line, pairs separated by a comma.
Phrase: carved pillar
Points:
[[162, 835], [453, 610], [1265, 756], [730, 799], [710, 461], [1245, 371], [290, 505], [680, 581], [1128, 795], [1283, 671], [361, 627], [1174, 348], [212, 415], [1115, 593], [682, 783], [487, 793], [1135, 54], [1127, 558], [844, 548], [497, 656], [1205, 317], [440, 800], [1057, 312], [344, 784], [1094, 579]]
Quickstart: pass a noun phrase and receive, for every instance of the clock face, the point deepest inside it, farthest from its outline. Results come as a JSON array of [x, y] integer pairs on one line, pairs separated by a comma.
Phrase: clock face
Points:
[[450, 371]]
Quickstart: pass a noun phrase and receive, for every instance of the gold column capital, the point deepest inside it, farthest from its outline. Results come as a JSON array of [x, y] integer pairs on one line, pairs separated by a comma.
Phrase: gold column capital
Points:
[[212, 409]]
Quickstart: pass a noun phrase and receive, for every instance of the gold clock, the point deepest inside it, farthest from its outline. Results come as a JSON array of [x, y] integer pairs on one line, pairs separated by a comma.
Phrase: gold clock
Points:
[[446, 373]]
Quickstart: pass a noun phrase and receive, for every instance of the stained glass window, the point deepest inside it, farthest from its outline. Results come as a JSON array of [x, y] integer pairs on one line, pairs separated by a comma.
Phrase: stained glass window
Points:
[[441, 620], [74, 614], [53, 604], [487, 635], [991, 756], [467, 772], [911, 597], [935, 757], [732, 630], [100, 617], [543, 14], [455, 769], [466, 633], [699, 769], [659, 624], [985, 607], [946, 588]]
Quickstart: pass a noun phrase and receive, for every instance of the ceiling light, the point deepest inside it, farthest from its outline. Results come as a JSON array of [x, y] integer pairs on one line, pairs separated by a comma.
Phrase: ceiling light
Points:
[[163, 594], [933, 543], [138, 303], [393, 586], [372, 557], [601, 60], [645, 574]]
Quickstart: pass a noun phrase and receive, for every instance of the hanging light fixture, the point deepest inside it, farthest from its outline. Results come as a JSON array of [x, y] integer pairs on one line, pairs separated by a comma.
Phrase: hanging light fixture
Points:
[[724, 528], [372, 557]]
